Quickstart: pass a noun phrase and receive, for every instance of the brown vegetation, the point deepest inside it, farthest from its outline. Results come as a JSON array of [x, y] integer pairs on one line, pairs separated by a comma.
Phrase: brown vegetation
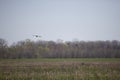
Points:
[[68, 70]]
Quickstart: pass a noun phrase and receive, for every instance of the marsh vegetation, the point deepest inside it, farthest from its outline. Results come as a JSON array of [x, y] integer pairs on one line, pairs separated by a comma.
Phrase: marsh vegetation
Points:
[[60, 69]]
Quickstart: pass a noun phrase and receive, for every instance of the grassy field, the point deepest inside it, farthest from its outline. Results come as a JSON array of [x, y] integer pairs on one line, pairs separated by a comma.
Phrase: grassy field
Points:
[[60, 69]]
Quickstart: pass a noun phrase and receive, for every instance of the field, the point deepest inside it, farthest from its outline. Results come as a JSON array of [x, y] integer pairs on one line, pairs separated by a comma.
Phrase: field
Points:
[[60, 69]]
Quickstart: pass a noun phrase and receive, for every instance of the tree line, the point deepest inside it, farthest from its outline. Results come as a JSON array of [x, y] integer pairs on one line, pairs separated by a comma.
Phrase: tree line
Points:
[[51, 49]]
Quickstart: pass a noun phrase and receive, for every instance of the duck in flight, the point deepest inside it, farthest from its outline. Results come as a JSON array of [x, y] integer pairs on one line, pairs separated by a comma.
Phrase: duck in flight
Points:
[[36, 36]]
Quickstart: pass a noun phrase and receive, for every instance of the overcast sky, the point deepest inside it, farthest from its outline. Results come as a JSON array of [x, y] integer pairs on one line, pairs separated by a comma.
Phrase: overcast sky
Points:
[[60, 19]]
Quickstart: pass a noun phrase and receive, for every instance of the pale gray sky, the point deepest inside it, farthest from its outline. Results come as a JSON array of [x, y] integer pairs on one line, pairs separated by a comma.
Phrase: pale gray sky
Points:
[[60, 19]]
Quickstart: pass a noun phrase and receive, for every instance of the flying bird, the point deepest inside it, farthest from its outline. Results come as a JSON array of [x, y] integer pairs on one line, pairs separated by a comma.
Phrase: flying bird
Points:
[[36, 36]]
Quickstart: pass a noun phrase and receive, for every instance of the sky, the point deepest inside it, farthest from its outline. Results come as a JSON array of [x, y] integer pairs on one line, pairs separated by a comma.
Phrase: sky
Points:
[[87, 20]]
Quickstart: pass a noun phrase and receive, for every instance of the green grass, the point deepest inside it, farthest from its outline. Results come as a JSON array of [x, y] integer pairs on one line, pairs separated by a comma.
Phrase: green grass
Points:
[[65, 59], [60, 69]]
